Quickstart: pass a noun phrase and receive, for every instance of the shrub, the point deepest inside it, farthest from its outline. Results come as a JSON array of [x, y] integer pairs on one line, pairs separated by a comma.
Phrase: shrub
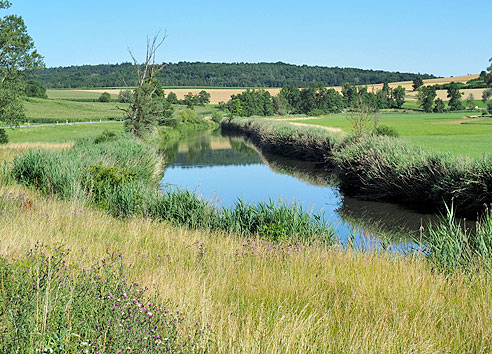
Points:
[[316, 113], [35, 89], [384, 130], [51, 307], [217, 117], [4, 139], [125, 96], [105, 97], [105, 136]]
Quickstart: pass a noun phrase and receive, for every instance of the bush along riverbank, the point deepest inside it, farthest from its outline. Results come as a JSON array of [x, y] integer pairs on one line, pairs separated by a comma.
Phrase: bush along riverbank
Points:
[[120, 174], [380, 167]]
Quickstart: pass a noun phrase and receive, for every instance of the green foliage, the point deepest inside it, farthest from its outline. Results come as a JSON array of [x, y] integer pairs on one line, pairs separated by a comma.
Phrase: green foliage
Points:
[[11, 107], [488, 78], [218, 75], [125, 96], [203, 98], [217, 117], [317, 96], [105, 136], [190, 100], [426, 97], [486, 94], [172, 98], [316, 112], [417, 83], [252, 103], [489, 107], [398, 95], [4, 139], [35, 89], [49, 306], [454, 96], [439, 106], [105, 97], [384, 130], [148, 108]]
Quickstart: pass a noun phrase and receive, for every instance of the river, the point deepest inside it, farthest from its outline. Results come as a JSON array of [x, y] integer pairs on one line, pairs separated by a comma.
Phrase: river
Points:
[[223, 169]]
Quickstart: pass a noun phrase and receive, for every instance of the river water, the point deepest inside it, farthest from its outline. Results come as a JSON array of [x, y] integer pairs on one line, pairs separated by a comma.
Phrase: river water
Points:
[[223, 169]]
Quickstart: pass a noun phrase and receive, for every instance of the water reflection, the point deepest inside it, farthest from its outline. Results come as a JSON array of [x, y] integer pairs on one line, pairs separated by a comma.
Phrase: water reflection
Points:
[[225, 168]]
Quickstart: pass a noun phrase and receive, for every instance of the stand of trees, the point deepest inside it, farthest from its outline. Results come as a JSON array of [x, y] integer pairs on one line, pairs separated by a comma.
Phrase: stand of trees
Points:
[[314, 100], [218, 75]]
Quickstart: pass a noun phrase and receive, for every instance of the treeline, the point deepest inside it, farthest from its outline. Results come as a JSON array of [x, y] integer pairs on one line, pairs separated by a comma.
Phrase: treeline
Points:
[[314, 100], [218, 75]]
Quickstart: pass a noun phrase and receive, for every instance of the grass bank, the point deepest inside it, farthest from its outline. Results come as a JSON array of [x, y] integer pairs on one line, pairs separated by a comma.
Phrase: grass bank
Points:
[[380, 168]]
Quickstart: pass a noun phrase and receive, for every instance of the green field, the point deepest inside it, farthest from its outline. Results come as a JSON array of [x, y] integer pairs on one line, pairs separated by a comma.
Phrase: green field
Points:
[[38, 109], [60, 133], [75, 95], [438, 131]]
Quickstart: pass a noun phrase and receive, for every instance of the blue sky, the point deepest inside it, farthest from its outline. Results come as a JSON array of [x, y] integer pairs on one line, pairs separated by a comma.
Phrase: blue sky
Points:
[[439, 37]]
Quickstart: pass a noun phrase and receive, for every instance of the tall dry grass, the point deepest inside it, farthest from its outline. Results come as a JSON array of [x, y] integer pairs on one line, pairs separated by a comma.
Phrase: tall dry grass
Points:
[[269, 298]]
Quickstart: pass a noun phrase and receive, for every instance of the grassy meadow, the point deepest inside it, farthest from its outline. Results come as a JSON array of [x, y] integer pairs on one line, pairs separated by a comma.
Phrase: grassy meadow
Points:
[[445, 132]]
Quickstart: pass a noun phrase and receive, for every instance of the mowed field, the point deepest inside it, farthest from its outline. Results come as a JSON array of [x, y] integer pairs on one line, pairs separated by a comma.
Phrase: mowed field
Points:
[[224, 94]]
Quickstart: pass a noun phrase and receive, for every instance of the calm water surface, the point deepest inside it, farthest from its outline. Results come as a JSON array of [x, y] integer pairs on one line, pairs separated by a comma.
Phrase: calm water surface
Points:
[[224, 169]]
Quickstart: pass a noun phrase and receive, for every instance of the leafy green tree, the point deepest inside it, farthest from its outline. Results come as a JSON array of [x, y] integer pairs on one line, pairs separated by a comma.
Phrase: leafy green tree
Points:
[[18, 59], [439, 106], [425, 96], [172, 98], [398, 95], [203, 97], [235, 108], [454, 96], [105, 97], [190, 100], [292, 96], [350, 94], [489, 107], [417, 83], [35, 89]]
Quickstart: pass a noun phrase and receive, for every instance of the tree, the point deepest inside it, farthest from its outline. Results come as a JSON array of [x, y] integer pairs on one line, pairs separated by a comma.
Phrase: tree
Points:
[[417, 83], [18, 59], [190, 100], [439, 106], [489, 107], [486, 94], [398, 95], [148, 106], [292, 96], [203, 97], [454, 96], [470, 101], [35, 89], [125, 96], [426, 97], [105, 97], [235, 108], [4, 139], [172, 98]]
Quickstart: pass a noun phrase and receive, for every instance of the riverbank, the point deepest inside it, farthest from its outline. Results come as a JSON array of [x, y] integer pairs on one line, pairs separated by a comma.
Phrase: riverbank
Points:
[[378, 167]]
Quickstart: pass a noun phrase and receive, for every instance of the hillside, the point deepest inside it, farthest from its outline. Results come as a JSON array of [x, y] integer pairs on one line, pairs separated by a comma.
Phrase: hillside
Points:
[[218, 75]]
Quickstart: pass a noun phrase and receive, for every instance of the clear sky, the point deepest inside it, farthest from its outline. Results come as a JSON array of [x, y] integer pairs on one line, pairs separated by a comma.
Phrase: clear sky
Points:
[[434, 36]]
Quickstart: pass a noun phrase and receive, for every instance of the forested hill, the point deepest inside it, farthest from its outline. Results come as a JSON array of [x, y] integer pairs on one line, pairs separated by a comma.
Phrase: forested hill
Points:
[[218, 75]]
